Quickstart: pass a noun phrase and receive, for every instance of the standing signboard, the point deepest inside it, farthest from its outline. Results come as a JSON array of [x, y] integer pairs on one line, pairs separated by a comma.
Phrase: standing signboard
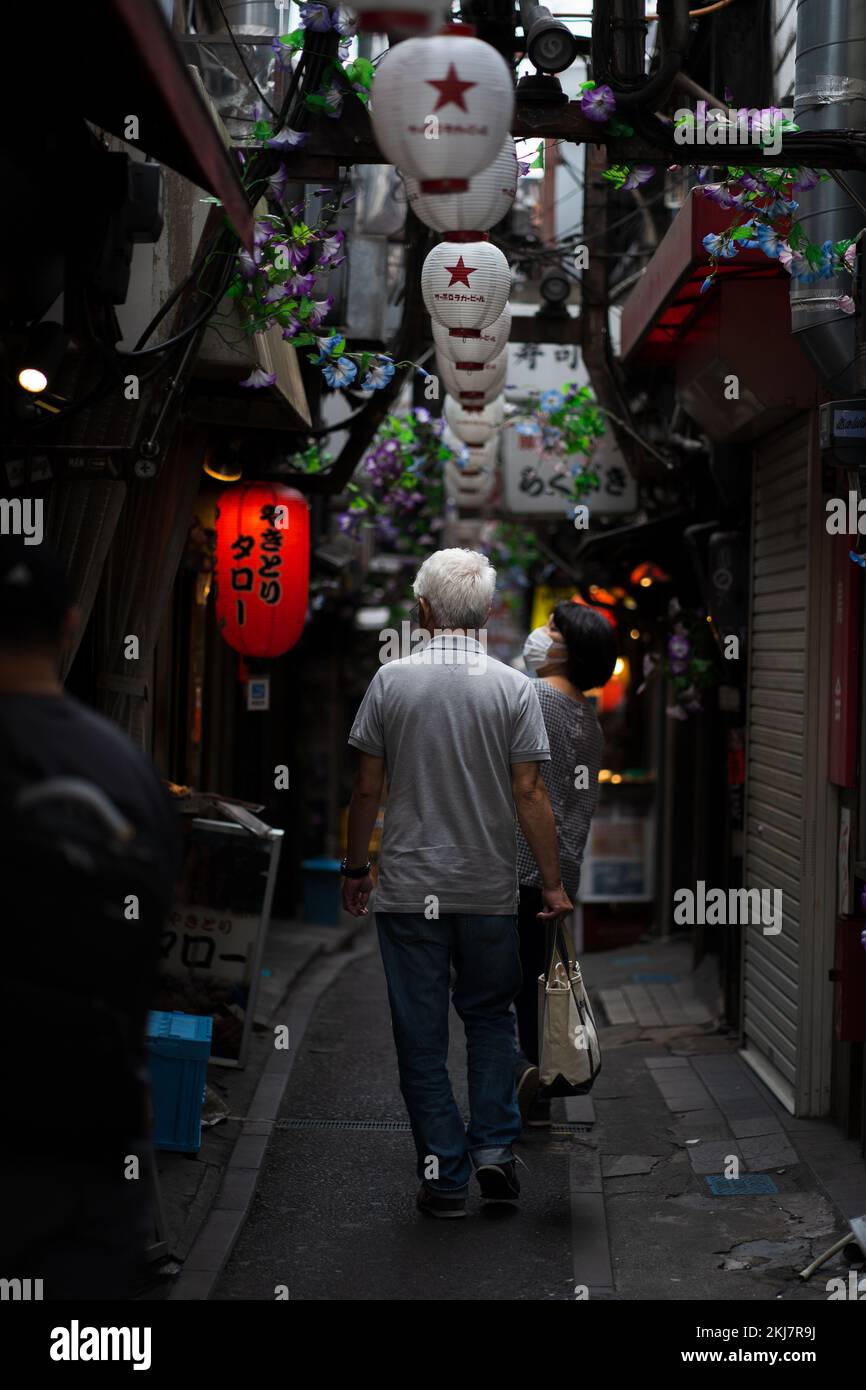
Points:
[[214, 937]]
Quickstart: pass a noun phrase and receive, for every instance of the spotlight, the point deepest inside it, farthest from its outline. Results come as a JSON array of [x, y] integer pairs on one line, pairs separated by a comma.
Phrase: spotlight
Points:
[[550, 46], [224, 463], [555, 288], [42, 355]]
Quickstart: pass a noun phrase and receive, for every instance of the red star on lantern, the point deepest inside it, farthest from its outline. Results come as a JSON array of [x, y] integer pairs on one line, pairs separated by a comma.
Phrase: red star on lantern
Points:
[[450, 89], [460, 273]]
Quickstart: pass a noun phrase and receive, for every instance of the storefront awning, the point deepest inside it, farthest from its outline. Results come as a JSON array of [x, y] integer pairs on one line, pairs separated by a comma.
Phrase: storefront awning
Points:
[[662, 308]]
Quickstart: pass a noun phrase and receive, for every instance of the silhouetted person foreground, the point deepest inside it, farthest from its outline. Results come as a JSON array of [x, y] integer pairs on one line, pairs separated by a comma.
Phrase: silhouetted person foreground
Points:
[[88, 858]]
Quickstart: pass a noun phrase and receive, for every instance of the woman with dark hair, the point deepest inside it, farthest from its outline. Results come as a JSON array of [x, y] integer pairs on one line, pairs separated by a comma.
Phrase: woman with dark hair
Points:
[[575, 651]]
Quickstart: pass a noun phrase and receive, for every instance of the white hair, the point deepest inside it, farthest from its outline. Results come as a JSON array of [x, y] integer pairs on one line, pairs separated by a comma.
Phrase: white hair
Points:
[[458, 585]]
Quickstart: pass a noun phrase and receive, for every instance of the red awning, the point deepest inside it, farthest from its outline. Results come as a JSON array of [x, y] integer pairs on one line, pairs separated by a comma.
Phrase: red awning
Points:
[[667, 299]]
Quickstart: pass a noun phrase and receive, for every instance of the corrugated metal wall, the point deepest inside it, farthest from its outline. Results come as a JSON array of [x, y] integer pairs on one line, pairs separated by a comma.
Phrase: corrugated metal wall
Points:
[[776, 781]]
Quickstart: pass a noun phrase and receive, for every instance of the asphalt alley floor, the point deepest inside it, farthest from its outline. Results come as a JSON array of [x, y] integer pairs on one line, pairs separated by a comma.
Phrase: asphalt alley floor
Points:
[[625, 1198]]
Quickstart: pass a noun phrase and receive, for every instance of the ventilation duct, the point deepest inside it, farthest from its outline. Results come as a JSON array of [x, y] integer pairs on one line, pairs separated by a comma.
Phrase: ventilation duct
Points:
[[829, 94]]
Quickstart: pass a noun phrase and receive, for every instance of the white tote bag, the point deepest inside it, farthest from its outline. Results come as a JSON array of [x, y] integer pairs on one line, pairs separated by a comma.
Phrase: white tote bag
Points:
[[568, 1049]]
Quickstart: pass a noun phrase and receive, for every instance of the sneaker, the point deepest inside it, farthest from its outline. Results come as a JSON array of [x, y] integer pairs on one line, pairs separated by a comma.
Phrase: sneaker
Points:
[[539, 1113], [527, 1089], [438, 1205], [498, 1181]]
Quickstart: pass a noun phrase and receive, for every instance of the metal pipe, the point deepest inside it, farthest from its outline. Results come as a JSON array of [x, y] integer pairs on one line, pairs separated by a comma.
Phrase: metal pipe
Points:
[[829, 94]]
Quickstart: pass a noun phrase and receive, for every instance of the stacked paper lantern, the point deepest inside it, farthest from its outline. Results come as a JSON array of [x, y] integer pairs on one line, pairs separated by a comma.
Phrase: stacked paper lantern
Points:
[[442, 109]]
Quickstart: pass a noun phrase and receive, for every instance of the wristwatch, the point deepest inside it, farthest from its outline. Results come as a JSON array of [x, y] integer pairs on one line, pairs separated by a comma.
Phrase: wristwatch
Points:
[[355, 873]]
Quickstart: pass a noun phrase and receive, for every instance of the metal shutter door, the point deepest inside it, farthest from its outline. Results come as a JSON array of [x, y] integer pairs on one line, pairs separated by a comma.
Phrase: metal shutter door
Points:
[[776, 746]]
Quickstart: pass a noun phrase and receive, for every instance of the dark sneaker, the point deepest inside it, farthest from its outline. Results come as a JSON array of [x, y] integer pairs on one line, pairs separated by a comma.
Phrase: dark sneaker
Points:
[[527, 1089], [498, 1181], [539, 1112], [438, 1205]]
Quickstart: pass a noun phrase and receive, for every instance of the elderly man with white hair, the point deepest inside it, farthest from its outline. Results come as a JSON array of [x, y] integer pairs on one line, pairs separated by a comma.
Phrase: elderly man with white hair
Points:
[[460, 737]]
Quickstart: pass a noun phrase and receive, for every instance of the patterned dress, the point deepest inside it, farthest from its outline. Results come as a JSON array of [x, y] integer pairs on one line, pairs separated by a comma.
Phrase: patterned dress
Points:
[[575, 740]]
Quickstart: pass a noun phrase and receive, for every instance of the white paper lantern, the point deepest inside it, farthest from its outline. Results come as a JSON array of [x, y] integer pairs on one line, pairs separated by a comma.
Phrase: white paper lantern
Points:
[[485, 202], [403, 17], [476, 426], [473, 349], [469, 490], [441, 108], [465, 284], [477, 387]]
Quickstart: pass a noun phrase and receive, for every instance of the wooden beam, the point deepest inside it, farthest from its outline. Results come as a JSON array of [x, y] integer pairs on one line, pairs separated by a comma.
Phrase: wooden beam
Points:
[[350, 140]]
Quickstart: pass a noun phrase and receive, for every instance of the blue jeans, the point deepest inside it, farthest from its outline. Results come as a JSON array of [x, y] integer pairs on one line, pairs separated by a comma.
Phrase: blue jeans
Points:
[[417, 955]]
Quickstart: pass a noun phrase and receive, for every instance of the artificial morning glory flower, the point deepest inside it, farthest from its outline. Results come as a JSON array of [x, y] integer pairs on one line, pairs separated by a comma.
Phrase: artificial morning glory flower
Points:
[[258, 377], [551, 400], [316, 18], [341, 372], [288, 139], [769, 241], [598, 103], [379, 374]]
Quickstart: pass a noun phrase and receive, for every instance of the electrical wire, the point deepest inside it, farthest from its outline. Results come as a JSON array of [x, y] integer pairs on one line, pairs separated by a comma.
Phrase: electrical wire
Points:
[[237, 49]]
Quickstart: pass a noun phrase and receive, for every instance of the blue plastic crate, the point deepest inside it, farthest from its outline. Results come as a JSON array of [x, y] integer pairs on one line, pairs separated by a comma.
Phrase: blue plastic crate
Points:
[[322, 891], [178, 1047]]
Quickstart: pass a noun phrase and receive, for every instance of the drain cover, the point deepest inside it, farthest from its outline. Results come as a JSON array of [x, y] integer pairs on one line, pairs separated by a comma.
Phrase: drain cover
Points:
[[398, 1126], [753, 1185]]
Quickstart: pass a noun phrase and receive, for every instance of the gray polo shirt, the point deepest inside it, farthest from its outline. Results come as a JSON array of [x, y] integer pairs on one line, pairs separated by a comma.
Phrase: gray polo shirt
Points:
[[449, 721]]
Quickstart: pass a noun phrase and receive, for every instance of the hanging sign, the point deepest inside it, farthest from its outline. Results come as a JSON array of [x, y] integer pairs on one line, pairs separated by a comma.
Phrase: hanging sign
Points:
[[534, 483]]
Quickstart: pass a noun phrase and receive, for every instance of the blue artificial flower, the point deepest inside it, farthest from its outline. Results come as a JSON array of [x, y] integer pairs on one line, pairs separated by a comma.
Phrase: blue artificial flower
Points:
[[551, 400], [769, 241], [379, 374], [341, 372]]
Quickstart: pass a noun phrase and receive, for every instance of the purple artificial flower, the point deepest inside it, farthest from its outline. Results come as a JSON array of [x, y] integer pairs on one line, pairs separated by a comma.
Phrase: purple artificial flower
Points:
[[850, 257], [321, 307], [301, 284], [598, 103], [806, 180], [262, 231], [283, 55], [332, 249], [678, 654], [275, 294], [523, 168], [258, 377], [288, 140], [345, 22], [346, 201], [422, 415], [348, 523], [293, 327], [641, 173], [845, 303], [277, 184], [720, 194], [246, 265], [316, 18], [676, 712]]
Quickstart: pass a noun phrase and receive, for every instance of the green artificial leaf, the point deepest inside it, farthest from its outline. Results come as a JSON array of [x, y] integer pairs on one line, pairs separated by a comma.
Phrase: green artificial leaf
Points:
[[294, 40], [358, 504]]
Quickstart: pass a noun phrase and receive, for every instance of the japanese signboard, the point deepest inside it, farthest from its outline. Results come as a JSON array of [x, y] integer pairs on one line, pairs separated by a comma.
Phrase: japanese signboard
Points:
[[535, 482], [213, 939]]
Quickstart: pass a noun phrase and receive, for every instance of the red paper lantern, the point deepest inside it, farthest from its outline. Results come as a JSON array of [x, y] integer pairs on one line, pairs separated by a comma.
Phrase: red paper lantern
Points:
[[262, 567]]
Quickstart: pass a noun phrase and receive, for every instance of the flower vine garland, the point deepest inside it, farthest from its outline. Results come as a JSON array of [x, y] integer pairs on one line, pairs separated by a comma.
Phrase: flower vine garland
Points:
[[763, 197], [688, 662], [402, 489], [569, 422]]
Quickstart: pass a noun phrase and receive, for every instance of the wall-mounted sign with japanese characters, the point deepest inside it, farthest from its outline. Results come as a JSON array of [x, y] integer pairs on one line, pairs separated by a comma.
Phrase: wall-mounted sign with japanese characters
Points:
[[262, 567], [213, 938], [537, 482]]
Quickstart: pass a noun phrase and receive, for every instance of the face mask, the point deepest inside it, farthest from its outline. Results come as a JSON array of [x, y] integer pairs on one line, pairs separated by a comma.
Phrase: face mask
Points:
[[540, 649]]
